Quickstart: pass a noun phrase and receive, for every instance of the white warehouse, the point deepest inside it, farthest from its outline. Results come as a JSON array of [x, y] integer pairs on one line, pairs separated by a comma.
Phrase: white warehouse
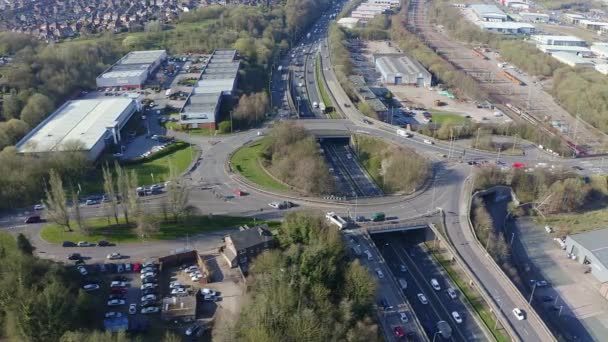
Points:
[[94, 124], [132, 70], [401, 69]]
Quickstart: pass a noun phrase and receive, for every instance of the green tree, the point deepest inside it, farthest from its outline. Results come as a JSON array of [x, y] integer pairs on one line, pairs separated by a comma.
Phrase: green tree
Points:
[[24, 245], [37, 108], [56, 203]]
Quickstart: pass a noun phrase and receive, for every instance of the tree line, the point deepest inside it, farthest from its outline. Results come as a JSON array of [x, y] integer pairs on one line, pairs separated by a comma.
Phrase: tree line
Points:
[[292, 156], [393, 168], [580, 91], [308, 289]]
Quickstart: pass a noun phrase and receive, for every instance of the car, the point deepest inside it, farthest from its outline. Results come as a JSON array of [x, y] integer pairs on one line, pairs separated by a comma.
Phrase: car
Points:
[[149, 291], [132, 309], [82, 270], [103, 243], [113, 314], [385, 304], [33, 219], [547, 298], [84, 244], [148, 264], [147, 275], [148, 303], [148, 297], [211, 298], [403, 268], [118, 290], [428, 142], [403, 317], [194, 330], [456, 317], [74, 256], [116, 296], [150, 310], [102, 268], [120, 268], [68, 244], [149, 280], [205, 291], [120, 278], [116, 302], [422, 298], [190, 269], [541, 283], [38, 207], [519, 314], [147, 269], [435, 284], [175, 284], [90, 287], [147, 286], [179, 290], [113, 256], [136, 267], [452, 293], [196, 277], [128, 267], [274, 205], [379, 273], [118, 284]]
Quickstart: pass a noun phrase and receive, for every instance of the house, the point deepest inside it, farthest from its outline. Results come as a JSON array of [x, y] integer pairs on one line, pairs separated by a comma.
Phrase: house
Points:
[[243, 246]]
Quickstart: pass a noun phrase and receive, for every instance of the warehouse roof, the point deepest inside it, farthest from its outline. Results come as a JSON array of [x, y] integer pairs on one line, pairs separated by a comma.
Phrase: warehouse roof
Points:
[[595, 241], [508, 25], [535, 14], [85, 121], [571, 59], [600, 49], [546, 38], [400, 64], [569, 49], [123, 73], [484, 10], [591, 22], [142, 57]]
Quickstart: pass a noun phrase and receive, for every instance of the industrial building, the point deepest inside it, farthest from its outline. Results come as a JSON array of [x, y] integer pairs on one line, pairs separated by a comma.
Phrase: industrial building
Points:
[[572, 59], [533, 17], [600, 49], [364, 93], [401, 69], [95, 124], [572, 18], [217, 81], [348, 22], [559, 40], [506, 27], [591, 248], [575, 50], [132, 71], [488, 12], [390, 3], [592, 25]]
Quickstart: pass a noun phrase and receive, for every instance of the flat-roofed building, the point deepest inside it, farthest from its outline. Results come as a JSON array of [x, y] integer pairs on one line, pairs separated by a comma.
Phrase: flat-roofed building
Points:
[[348, 22], [592, 25], [88, 125], [132, 70], [391, 3], [488, 12], [534, 17], [217, 81], [506, 27], [558, 40], [572, 59], [575, 50], [401, 69], [572, 18], [591, 248]]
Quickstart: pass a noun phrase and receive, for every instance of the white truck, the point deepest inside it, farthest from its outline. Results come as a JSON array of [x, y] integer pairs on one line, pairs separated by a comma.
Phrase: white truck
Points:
[[336, 219], [315, 105], [404, 133], [168, 93]]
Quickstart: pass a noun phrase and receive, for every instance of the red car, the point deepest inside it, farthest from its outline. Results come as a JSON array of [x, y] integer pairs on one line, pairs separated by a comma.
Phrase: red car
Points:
[[137, 267], [239, 192], [399, 332], [117, 290]]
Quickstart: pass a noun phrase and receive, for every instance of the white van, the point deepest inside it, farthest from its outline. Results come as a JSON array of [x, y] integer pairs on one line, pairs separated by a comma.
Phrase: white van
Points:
[[315, 105], [435, 284], [404, 133], [427, 141]]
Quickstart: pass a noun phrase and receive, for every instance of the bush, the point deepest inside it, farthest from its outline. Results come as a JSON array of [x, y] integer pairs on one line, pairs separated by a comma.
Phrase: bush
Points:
[[225, 127]]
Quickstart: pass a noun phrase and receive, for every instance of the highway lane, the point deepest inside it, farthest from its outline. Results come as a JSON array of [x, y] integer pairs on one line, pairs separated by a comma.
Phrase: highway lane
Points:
[[346, 159]]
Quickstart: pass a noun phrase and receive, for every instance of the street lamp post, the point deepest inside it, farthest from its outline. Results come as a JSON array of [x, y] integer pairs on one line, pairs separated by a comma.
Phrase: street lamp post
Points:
[[532, 294], [435, 335]]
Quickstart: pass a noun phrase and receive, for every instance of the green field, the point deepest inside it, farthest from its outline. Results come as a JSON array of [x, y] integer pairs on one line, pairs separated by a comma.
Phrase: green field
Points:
[[245, 161], [156, 169], [576, 222], [440, 117], [100, 230]]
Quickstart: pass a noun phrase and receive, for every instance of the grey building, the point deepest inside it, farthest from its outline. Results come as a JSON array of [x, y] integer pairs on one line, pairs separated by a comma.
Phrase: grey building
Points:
[[401, 69], [132, 70], [244, 245], [591, 248], [488, 12], [217, 81], [365, 94]]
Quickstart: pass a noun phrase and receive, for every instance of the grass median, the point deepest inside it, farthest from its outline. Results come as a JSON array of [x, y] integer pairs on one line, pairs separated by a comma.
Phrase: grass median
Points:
[[246, 161], [324, 94], [121, 232], [471, 295]]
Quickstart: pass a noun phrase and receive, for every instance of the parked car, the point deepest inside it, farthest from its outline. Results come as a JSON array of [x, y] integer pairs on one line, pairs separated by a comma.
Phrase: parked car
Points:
[[33, 219], [147, 275], [147, 269], [403, 317], [84, 244], [179, 290], [119, 278], [403, 268], [148, 297], [149, 291], [82, 270], [399, 332], [205, 291], [118, 284], [39, 207], [116, 302], [127, 267], [379, 273], [146, 286], [175, 284], [136, 267], [116, 296], [150, 310], [148, 264], [541, 283], [113, 314], [120, 268], [74, 256], [194, 330], [147, 303], [90, 287], [114, 256], [68, 244], [118, 290], [103, 243], [132, 309]]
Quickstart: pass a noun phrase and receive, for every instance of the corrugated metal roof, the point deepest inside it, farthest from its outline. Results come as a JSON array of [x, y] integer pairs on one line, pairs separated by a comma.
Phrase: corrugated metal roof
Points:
[[142, 57], [596, 242], [85, 121], [400, 64], [488, 10]]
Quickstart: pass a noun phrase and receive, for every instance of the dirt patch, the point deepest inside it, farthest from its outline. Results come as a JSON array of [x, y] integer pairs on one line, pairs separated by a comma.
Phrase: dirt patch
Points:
[[232, 290]]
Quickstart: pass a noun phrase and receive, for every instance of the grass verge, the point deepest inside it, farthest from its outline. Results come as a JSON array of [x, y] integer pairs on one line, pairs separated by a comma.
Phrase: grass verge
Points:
[[440, 117], [156, 169], [121, 232], [577, 222], [324, 94], [476, 301], [245, 161]]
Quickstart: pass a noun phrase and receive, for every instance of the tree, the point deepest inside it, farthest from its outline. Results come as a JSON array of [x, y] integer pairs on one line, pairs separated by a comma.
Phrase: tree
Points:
[[76, 207], [126, 183], [38, 106], [24, 245], [56, 204], [178, 195], [147, 225], [109, 187], [11, 106], [251, 108]]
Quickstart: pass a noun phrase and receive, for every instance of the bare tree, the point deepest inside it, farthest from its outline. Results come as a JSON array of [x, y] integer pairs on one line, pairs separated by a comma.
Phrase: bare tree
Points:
[[177, 199], [147, 225], [76, 209], [126, 190], [109, 187], [57, 208]]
